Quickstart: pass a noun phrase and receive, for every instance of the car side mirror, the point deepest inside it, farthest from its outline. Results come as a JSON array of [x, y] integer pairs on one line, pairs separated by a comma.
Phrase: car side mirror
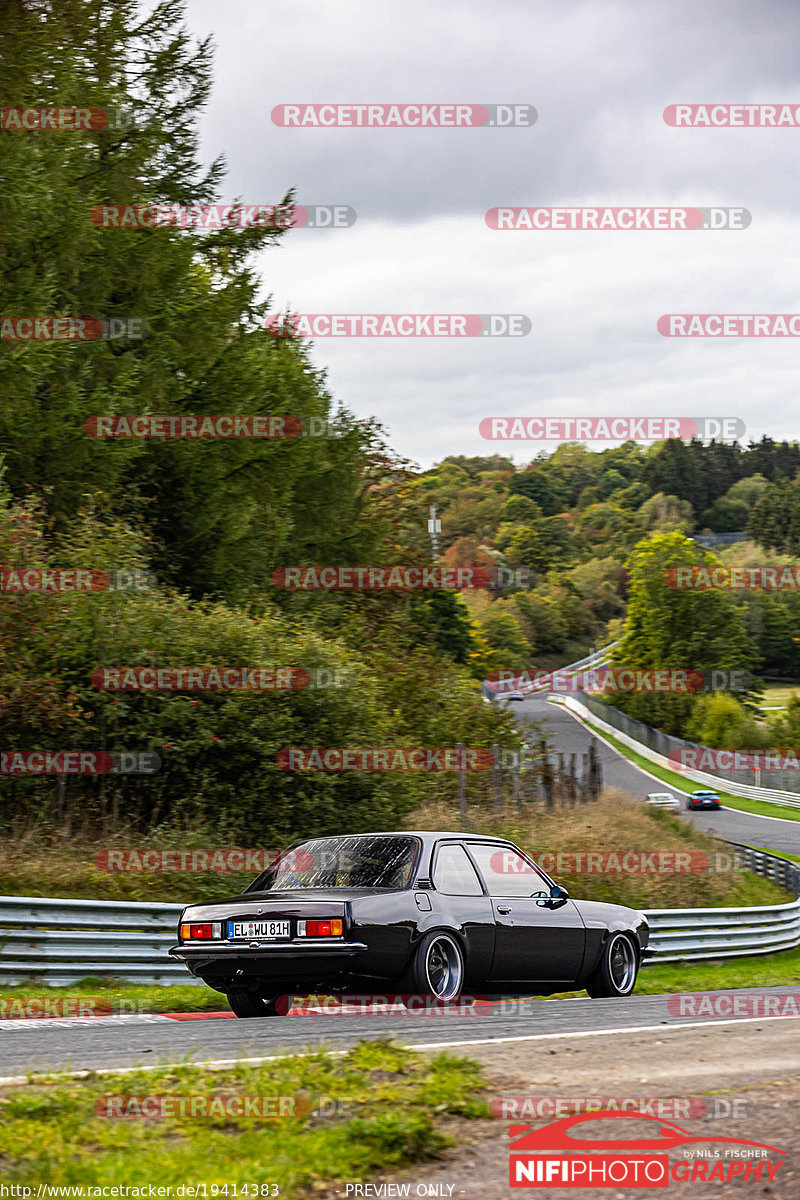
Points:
[[555, 898]]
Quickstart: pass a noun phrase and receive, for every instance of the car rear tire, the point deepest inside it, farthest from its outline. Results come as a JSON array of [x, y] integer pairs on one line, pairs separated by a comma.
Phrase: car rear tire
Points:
[[617, 970], [438, 967], [252, 1004]]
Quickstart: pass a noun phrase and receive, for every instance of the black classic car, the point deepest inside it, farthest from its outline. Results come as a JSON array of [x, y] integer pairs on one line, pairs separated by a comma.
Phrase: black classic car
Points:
[[426, 913], [703, 798]]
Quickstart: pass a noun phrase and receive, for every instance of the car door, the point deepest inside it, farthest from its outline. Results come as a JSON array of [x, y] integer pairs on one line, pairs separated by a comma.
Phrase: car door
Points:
[[460, 900], [532, 943]]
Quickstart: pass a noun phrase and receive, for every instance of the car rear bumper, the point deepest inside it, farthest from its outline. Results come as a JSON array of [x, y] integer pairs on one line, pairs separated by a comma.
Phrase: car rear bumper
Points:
[[289, 961], [305, 949]]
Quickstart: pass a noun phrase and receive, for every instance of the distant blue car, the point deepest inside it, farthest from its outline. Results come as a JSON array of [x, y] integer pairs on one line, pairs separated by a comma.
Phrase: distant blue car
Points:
[[703, 798]]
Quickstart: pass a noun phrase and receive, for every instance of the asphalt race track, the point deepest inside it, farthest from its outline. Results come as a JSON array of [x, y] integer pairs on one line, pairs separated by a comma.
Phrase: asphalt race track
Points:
[[571, 736], [74, 1044]]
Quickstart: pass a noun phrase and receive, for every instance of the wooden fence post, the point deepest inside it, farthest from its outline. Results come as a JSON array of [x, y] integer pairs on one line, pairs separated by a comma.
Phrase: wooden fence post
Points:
[[462, 786], [498, 779]]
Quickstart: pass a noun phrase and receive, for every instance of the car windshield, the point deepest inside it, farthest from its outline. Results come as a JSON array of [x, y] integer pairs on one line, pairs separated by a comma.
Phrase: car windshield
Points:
[[342, 862]]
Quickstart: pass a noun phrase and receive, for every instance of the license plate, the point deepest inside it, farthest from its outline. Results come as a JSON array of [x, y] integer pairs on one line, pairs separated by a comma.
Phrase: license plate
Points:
[[259, 929]]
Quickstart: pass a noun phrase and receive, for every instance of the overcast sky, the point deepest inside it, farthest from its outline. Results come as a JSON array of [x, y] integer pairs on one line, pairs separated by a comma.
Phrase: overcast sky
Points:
[[599, 76]]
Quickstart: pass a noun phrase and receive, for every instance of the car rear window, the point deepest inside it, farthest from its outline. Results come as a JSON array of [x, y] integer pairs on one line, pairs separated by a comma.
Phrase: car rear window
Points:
[[342, 862]]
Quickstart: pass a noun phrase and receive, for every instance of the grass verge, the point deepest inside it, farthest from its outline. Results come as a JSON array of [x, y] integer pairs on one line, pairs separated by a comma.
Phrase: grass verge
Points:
[[777, 695], [760, 970], [619, 822], [377, 1108], [109, 997]]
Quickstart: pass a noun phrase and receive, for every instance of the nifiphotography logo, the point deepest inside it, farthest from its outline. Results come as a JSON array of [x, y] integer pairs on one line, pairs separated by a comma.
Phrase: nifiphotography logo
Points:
[[553, 1157]]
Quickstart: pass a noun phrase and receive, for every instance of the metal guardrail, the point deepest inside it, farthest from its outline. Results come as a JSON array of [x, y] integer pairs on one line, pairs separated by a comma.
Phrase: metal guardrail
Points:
[[696, 933], [709, 540], [747, 791], [596, 659], [64, 941]]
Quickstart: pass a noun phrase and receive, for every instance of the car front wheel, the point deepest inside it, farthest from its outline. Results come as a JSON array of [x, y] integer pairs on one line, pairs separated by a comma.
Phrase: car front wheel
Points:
[[617, 970], [252, 1004]]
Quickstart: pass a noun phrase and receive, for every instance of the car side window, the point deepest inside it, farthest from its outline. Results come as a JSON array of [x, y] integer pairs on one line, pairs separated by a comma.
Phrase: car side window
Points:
[[505, 872], [454, 874]]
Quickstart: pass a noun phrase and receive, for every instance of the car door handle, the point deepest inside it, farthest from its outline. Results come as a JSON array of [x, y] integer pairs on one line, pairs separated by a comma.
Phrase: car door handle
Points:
[[504, 908]]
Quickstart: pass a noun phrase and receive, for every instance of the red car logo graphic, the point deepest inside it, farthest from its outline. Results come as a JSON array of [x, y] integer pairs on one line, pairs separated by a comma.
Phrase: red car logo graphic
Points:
[[556, 1136]]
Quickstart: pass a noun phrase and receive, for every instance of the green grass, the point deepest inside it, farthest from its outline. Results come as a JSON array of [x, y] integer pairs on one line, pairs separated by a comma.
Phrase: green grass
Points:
[[122, 997], [614, 821], [67, 870], [382, 1110], [761, 808], [783, 853], [760, 970], [778, 695]]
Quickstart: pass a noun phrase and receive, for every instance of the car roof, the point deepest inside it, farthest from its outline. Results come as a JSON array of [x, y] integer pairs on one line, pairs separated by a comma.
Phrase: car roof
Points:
[[420, 833]]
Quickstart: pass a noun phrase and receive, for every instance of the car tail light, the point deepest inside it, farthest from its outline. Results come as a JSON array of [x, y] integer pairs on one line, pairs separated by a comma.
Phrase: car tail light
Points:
[[331, 928], [207, 930]]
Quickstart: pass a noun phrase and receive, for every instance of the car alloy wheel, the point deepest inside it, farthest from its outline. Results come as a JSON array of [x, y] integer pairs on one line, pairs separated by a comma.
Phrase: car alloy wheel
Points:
[[616, 972], [443, 967], [622, 964]]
